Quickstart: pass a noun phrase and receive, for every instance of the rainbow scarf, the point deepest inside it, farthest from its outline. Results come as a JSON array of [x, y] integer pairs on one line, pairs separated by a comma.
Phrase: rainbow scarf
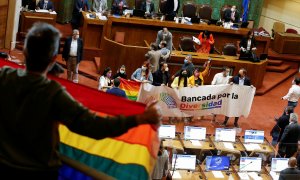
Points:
[[131, 88], [129, 156]]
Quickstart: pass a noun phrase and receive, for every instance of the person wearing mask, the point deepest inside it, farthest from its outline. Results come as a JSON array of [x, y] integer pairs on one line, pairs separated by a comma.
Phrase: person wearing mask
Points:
[[280, 125], [181, 80], [294, 93], [105, 80], [206, 42], [29, 122], [121, 73], [165, 35], [165, 53], [161, 76], [161, 166], [242, 80], [197, 79], [72, 54], [45, 4], [143, 74], [115, 90], [100, 6], [148, 7], [290, 173], [118, 6], [248, 47], [232, 15], [188, 65], [288, 144], [79, 6]]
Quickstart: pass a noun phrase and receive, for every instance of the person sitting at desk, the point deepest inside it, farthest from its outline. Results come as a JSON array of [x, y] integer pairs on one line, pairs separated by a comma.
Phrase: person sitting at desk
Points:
[[100, 6], [207, 42], [198, 78], [147, 6], [80, 5], [231, 15], [105, 80], [290, 173], [248, 47], [118, 6], [165, 35], [45, 4], [143, 74]]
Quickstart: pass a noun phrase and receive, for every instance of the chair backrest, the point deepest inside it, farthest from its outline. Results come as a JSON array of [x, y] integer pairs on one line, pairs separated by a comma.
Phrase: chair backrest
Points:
[[229, 49], [189, 10], [278, 27], [120, 37], [186, 44], [223, 9], [162, 6], [205, 11], [289, 30], [138, 4]]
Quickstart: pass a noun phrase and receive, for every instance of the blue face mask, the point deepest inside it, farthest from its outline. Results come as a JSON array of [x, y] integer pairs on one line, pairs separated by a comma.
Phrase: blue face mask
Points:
[[185, 61]]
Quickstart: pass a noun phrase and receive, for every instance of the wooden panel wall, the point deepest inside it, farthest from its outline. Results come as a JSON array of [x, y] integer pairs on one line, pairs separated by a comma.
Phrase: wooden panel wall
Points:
[[3, 21]]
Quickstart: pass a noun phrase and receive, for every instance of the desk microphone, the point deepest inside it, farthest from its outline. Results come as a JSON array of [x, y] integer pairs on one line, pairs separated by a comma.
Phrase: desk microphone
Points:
[[241, 168]]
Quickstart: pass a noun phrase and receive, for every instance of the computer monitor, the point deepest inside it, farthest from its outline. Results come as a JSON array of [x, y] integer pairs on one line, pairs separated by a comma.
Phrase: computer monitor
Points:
[[167, 131], [254, 136], [194, 133], [217, 163], [279, 164], [223, 134], [250, 164], [185, 162]]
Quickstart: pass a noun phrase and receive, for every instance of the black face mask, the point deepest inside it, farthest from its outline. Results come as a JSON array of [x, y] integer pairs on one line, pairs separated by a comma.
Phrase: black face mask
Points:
[[184, 75], [239, 75]]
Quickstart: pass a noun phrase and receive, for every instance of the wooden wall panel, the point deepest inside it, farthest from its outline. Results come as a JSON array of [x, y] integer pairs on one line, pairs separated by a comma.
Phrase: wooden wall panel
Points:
[[3, 21]]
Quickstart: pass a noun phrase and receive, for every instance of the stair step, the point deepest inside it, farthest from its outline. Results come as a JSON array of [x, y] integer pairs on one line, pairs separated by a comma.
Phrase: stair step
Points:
[[269, 82], [282, 68], [274, 62]]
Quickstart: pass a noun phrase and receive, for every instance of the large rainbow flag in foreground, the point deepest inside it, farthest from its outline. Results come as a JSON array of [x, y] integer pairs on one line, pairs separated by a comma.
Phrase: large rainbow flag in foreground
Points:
[[131, 88], [129, 156]]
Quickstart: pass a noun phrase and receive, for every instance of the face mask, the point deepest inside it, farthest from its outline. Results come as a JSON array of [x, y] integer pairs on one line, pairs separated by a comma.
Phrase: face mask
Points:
[[122, 71], [233, 10], [144, 68], [184, 75], [196, 74], [167, 69], [185, 61], [108, 75]]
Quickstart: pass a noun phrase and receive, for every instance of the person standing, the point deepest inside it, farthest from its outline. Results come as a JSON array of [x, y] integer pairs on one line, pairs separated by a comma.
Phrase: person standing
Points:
[[105, 80], [232, 15], [45, 4], [115, 90], [288, 144], [242, 80], [171, 7], [294, 93], [290, 173], [100, 6], [165, 35], [118, 6], [148, 7], [143, 74], [197, 79], [80, 5], [187, 65], [162, 164], [72, 54], [161, 77], [207, 42]]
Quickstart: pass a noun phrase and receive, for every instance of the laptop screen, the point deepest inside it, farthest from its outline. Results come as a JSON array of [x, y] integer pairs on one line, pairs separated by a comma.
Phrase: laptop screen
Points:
[[253, 136], [217, 163], [250, 164], [194, 133], [185, 162], [279, 164], [167, 131], [223, 134]]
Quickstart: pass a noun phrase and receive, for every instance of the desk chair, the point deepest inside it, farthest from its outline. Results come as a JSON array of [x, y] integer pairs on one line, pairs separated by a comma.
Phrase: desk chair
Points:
[[187, 44], [223, 9], [290, 30], [189, 10], [229, 49], [205, 12], [278, 27]]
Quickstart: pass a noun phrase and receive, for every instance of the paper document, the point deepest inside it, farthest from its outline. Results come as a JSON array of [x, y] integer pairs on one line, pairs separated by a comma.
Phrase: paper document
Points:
[[176, 175], [228, 145], [251, 147], [243, 176], [254, 175], [42, 11], [274, 175], [196, 40], [196, 143], [53, 12], [218, 174]]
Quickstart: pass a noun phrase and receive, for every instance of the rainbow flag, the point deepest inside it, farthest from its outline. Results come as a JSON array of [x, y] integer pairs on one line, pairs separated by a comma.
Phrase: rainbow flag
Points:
[[131, 88], [130, 156]]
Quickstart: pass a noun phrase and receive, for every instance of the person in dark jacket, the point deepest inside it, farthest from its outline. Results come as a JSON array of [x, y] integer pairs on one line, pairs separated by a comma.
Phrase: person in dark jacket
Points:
[[248, 47], [242, 80], [288, 144], [116, 90], [290, 173], [232, 15], [188, 66], [32, 106], [72, 54], [147, 6], [45, 4], [121, 73], [171, 7], [79, 6], [161, 77]]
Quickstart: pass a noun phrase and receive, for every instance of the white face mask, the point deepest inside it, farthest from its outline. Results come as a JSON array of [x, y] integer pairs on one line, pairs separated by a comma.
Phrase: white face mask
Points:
[[122, 71], [167, 69], [144, 68], [233, 10]]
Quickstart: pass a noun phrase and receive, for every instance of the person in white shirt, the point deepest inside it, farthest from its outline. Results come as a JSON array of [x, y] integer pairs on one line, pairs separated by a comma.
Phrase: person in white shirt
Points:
[[105, 80], [294, 93], [100, 6], [162, 163]]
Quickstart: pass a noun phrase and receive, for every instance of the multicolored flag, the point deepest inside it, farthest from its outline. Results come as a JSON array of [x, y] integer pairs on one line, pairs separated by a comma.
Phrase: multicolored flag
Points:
[[131, 88]]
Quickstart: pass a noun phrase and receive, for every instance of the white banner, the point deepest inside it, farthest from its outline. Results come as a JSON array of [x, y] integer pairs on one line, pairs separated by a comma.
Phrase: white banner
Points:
[[229, 100]]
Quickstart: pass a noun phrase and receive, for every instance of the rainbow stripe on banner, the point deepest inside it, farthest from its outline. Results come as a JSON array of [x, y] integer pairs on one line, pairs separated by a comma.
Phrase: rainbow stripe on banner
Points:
[[131, 88], [130, 156]]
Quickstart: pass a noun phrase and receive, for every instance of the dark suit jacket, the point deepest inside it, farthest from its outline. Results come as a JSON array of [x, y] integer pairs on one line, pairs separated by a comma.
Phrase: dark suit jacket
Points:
[[117, 91], [247, 81], [143, 6], [158, 77], [290, 137], [31, 4], [49, 5], [244, 43], [81, 4], [289, 174], [170, 7], [67, 47], [189, 68], [227, 16]]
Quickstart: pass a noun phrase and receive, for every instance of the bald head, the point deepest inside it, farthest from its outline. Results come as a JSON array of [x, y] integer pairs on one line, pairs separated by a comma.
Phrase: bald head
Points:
[[292, 162]]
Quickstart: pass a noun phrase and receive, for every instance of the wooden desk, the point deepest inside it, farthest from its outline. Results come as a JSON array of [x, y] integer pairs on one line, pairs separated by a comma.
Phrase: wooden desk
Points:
[[265, 148], [29, 18], [204, 145], [287, 43], [172, 143], [264, 174], [227, 175], [238, 147], [185, 175]]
